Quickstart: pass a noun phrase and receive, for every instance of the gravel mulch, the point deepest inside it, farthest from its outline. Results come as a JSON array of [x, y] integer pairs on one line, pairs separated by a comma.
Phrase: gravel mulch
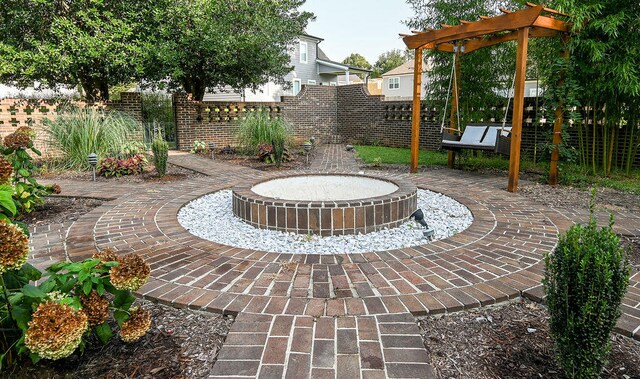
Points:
[[180, 344], [509, 341]]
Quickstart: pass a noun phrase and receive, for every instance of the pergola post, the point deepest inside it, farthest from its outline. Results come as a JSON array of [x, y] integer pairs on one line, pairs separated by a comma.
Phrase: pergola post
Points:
[[518, 109], [451, 156], [415, 110]]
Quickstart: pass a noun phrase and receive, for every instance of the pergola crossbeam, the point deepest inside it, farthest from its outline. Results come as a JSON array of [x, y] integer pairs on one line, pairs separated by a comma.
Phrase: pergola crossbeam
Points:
[[517, 25]]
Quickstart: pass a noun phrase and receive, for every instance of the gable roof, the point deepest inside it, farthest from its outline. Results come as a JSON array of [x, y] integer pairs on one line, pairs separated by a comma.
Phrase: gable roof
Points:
[[323, 59], [407, 68]]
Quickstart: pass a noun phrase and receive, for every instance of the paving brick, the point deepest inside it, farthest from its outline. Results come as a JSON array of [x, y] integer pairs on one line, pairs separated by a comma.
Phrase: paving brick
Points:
[[298, 366], [275, 350], [235, 368], [347, 341], [348, 366], [371, 355], [323, 353]]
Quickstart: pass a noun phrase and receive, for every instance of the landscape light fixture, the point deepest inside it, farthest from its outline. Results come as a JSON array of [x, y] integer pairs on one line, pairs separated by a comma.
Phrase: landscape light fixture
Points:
[[312, 140], [307, 148], [93, 161], [212, 148], [418, 215]]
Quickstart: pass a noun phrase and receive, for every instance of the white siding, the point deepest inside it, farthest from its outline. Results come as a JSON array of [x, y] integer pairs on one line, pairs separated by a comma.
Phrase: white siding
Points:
[[405, 91]]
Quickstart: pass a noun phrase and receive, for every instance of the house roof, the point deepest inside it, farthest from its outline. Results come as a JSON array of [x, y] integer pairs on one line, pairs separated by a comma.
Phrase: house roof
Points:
[[323, 59], [404, 69], [353, 78], [313, 37]]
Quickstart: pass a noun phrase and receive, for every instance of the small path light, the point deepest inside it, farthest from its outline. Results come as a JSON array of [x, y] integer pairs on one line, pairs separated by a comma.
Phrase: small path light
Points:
[[428, 233], [212, 148], [93, 161], [312, 140], [307, 146]]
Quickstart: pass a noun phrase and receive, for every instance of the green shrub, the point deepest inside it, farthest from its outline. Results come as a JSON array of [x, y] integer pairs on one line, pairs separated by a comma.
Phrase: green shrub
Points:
[[80, 132], [160, 150], [585, 280], [260, 129], [199, 147]]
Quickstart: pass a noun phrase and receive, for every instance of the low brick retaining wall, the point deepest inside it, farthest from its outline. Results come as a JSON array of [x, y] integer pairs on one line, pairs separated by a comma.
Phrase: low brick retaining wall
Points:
[[326, 217]]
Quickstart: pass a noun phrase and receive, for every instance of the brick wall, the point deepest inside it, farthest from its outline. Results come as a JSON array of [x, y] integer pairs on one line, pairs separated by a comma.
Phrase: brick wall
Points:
[[368, 119], [15, 113], [313, 112]]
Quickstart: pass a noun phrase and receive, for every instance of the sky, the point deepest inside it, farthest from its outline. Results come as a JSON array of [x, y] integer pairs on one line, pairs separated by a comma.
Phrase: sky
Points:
[[367, 27]]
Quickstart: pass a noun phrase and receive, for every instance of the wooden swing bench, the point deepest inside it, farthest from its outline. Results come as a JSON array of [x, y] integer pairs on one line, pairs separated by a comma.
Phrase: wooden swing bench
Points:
[[488, 137]]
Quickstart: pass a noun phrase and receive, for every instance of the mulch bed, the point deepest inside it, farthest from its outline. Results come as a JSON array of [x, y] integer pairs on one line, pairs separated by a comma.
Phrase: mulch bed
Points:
[[57, 210], [298, 162], [180, 344], [510, 341], [174, 173]]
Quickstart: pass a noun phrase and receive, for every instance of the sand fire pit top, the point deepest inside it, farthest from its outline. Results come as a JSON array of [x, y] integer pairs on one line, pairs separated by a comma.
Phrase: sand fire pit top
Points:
[[324, 188]]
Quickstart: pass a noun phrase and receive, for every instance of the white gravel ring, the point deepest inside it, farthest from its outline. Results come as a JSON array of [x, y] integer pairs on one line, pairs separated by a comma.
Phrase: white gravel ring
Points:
[[211, 217]]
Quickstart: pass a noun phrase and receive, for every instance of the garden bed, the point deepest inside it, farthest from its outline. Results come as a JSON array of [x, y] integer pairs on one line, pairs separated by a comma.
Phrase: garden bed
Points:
[[57, 210], [510, 341], [298, 161], [180, 344], [174, 173]]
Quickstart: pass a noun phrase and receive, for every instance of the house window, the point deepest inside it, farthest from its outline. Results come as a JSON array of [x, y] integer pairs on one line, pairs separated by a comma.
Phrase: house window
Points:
[[296, 86], [311, 81], [394, 83], [304, 52]]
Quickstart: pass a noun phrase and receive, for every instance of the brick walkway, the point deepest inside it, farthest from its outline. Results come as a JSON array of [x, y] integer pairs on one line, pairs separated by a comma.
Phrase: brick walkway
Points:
[[330, 315]]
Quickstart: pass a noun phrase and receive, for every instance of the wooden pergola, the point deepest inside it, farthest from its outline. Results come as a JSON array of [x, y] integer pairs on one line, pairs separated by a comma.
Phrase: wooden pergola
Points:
[[468, 36]]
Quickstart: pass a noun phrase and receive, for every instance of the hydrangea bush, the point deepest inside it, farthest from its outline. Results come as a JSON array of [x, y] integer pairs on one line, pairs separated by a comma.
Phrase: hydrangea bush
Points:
[[71, 300]]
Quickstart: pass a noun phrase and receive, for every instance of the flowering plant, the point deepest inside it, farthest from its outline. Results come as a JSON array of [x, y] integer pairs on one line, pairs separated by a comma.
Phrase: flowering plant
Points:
[[50, 320], [111, 166]]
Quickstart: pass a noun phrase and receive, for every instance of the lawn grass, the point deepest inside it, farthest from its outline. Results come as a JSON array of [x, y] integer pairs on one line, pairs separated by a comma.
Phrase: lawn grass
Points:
[[570, 174], [398, 155]]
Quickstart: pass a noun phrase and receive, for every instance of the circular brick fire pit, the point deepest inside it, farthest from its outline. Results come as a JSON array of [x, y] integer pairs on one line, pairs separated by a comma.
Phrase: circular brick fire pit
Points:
[[325, 204]]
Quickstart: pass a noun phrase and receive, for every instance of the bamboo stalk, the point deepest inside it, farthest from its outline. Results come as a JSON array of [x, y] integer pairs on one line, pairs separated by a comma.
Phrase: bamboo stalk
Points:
[[593, 142], [611, 142]]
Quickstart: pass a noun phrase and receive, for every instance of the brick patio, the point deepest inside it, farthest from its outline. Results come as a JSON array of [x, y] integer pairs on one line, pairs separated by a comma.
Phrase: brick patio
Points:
[[342, 315]]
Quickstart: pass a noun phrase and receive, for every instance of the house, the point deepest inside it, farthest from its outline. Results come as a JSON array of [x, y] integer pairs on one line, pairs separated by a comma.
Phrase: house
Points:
[[311, 66], [397, 84], [375, 86]]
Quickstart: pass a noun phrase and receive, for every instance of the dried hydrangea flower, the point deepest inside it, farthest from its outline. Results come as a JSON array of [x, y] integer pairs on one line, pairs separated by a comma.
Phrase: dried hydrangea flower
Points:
[[106, 255], [55, 330], [131, 273], [6, 170], [26, 131], [17, 141], [96, 307], [14, 247], [136, 326], [56, 189]]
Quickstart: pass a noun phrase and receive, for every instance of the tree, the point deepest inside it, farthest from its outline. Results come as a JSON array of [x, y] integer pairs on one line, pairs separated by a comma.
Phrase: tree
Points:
[[388, 61], [604, 69], [357, 60], [483, 72], [205, 44], [92, 43]]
